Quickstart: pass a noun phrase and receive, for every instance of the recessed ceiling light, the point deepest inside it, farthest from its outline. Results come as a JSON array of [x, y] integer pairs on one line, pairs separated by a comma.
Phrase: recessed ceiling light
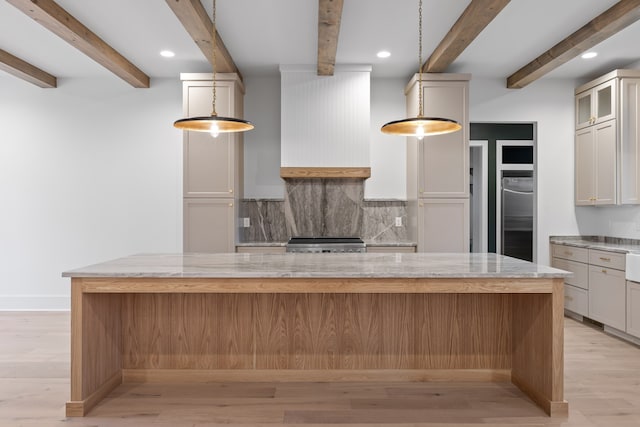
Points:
[[383, 54], [589, 55], [167, 54]]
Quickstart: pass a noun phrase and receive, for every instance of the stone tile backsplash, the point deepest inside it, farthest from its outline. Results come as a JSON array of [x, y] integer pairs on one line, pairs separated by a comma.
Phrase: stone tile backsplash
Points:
[[323, 207]]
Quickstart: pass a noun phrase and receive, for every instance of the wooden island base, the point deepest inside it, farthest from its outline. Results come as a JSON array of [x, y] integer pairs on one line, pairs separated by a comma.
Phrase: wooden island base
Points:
[[292, 329]]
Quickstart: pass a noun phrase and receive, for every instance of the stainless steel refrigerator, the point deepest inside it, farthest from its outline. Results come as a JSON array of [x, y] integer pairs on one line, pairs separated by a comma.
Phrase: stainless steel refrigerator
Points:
[[517, 216]]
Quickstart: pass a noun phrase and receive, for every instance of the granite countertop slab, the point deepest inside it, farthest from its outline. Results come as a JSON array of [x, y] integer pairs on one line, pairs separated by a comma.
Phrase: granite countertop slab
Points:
[[330, 265], [603, 243], [391, 244], [262, 244]]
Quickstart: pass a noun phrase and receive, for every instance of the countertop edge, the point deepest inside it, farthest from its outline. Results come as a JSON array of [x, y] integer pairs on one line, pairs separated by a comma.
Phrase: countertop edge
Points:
[[601, 246]]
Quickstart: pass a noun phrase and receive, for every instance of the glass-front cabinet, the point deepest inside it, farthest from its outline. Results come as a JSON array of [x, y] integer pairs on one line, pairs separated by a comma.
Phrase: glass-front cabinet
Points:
[[596, 105]]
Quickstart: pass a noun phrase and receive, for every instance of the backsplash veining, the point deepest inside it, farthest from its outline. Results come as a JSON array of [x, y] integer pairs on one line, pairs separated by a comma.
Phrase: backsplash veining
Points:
[[323, 207]]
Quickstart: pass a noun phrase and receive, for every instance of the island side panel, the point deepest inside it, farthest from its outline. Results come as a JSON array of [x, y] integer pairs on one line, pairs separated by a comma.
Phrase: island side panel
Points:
[[188, 331], [96, 347], [538, 347], [464, 331], [334, 331]]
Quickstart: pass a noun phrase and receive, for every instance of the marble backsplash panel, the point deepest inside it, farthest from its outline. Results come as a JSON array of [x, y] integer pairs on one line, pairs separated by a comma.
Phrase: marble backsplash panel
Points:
[[323, 207]]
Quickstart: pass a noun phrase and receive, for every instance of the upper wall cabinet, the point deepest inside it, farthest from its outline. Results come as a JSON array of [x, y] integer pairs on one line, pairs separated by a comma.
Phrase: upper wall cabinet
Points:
[[213, 167], [607, 141], [438, 166], [596, 105]]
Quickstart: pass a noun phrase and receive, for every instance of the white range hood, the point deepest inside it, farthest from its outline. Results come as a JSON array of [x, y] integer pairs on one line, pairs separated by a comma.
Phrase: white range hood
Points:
[[325, 120]]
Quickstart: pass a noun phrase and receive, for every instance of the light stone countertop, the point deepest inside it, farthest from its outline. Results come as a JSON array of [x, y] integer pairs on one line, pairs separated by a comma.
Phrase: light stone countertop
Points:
[[373, 244], [331, 265], [611, 244]]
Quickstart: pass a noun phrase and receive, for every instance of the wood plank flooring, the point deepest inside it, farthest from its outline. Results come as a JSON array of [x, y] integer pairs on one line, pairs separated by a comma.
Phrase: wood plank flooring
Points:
[[602, 386]]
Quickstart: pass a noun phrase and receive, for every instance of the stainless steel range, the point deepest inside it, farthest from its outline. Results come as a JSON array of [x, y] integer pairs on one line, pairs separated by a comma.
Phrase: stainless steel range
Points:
[[326, 244]]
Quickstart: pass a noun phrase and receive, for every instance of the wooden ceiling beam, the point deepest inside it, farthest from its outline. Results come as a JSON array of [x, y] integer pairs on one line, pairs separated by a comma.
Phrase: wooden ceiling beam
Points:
[[53, 17], [25, 71], [329, 17], [473, 20], [196, 21], [614, 19]]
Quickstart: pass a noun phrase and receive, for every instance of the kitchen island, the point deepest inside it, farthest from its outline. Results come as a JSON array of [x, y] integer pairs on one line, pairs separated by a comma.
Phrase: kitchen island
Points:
[[316, 317]]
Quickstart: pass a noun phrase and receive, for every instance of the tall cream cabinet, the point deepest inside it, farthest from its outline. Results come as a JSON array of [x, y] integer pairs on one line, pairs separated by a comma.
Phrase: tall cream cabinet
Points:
[[438, 166], [212, 167], [607, 140]]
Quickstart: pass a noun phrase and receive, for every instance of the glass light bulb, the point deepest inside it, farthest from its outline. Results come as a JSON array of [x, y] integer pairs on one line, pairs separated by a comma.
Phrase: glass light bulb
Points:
[[420, 132], [214, 130]]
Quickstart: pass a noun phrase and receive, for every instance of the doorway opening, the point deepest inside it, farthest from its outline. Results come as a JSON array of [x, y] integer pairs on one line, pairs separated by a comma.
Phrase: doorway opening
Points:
[[502, 181]]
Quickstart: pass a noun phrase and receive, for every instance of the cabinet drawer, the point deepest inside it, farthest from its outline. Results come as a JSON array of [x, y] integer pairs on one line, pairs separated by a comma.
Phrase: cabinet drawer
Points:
[[580, 272], [576, 300], [607, 259], [570, 253]]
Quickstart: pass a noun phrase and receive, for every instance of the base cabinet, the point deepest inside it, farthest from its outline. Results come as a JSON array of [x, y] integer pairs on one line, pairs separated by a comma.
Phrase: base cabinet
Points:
[[607, 296], [633, 309], [209, 225], [443, 225], [576, 288]]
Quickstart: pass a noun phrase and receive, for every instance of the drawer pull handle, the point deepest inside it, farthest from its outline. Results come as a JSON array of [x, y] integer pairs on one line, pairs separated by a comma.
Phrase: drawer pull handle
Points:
[[568, 298], [605, 259], [568, 253], [604, 271]]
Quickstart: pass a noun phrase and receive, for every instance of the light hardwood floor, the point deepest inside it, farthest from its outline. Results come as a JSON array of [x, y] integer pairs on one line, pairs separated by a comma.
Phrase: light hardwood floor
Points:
[[602, 386]]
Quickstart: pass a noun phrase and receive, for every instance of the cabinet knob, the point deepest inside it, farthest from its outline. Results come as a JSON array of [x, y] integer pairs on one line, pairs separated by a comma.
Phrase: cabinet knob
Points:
[[231, 190], [230, 205], [568, 253], [604, 271]]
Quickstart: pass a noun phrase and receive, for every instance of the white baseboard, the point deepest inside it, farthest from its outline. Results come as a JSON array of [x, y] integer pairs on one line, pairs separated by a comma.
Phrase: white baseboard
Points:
[[35, 302]]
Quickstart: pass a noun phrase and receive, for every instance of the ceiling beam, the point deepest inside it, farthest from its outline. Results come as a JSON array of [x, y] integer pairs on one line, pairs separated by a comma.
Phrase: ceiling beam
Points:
[[25, 71], [473, 20], [53, 17], [196, 21], [329, 16], [614, 19]]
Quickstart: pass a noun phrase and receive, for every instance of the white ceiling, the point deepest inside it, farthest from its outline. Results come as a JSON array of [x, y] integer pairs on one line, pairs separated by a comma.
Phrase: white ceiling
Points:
[[261, 34]]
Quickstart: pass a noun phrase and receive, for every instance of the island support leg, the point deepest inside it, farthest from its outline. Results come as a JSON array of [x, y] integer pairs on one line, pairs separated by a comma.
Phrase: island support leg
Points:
[[96, 348], [538, 348]]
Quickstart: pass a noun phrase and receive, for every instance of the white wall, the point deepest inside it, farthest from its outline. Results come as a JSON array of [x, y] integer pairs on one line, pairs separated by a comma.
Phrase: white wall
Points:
[[89, 171], [549, 103]]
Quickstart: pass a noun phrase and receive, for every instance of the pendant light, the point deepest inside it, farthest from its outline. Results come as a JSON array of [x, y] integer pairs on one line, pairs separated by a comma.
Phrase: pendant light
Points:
[[420, 126], [213, 124]]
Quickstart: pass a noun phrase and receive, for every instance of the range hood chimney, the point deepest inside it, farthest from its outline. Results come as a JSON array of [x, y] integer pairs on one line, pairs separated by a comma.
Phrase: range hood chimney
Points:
[[325, 122]]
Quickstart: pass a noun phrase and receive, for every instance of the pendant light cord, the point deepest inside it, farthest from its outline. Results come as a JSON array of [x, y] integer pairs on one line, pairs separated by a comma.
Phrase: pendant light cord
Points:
[[214, 35], [420, 110]]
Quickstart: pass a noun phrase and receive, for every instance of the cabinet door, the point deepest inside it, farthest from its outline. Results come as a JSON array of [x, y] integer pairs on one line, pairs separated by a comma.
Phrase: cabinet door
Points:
[[604, 101], [209, 225], [629, 122], [444, 170], [633, 309], [208, 161], [584, 104], [584, 167], [605, 163], [607, 296], [443, 225]]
